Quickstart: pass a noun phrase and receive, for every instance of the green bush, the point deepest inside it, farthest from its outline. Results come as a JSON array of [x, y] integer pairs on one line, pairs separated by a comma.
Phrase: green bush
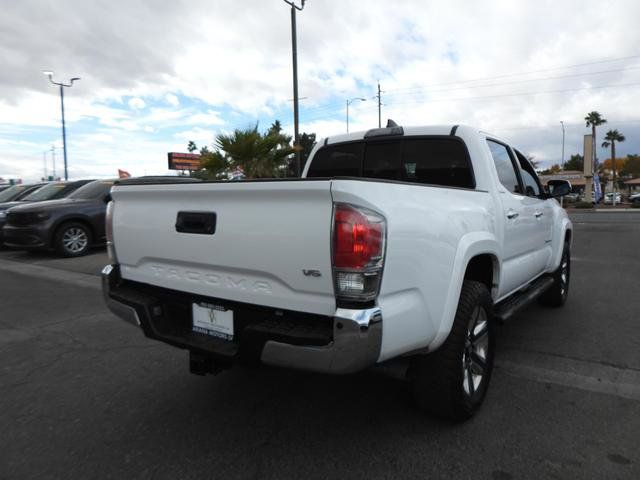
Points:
[[583, 205], [635, 205]]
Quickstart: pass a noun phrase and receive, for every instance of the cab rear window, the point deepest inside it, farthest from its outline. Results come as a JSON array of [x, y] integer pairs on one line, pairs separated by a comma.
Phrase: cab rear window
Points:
[[440, 161]]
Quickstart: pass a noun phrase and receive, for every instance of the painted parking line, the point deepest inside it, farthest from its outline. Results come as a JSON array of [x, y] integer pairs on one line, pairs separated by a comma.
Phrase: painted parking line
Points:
[[585, 375]]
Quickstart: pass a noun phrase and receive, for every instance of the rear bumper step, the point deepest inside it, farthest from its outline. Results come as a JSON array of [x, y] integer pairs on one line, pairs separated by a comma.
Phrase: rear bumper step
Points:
[[347, 342], [509, 307]]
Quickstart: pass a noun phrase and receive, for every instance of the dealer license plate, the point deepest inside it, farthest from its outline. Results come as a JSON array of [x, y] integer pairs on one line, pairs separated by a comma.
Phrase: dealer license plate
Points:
[[213, 320]]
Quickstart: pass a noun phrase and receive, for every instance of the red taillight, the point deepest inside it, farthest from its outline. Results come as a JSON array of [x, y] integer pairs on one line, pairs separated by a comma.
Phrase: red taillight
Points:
[[359, 239], [358, 252]]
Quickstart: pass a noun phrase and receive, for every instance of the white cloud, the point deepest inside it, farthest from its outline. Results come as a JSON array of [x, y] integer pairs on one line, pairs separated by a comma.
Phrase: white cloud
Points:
[[172, 99], [202, 137], [136, 103]]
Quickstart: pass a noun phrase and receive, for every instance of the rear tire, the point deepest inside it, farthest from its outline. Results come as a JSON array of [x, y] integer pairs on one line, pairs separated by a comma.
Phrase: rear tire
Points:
[[452, 381], [556, 295], [72, 239]]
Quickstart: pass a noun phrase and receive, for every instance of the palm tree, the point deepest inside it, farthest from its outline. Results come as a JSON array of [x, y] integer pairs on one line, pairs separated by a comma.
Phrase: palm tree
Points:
[[611, 138], [593, 120], [259, 156]]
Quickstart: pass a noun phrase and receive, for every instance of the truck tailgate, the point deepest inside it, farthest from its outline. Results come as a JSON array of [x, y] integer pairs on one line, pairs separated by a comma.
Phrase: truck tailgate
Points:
[[266, 235]]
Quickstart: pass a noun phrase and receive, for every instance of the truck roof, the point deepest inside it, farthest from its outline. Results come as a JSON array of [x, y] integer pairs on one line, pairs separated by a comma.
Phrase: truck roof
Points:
[[447, 129]]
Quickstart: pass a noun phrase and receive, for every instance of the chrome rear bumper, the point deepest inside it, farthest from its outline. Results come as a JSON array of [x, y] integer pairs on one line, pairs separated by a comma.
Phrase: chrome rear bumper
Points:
[[355, 344], [357, 337]]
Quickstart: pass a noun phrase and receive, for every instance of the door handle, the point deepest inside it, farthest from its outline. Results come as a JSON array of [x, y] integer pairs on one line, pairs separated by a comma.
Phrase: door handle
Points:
[[538, 214], [202, 223], [511, 215]]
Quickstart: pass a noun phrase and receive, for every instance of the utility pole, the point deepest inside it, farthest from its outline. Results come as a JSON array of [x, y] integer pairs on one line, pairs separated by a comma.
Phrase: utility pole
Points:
[[562, 123], [64, 131], [294, 48], [44, 158], [379, 106], [562, 159], [53, 159]]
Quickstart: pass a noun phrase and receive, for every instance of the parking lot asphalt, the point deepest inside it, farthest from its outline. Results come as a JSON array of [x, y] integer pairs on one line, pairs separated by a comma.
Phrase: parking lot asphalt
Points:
[[84, 395]]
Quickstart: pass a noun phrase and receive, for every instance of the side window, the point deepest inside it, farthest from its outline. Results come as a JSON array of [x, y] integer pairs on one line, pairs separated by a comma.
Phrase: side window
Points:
[[504, 166], [436, 161], [532, 186]]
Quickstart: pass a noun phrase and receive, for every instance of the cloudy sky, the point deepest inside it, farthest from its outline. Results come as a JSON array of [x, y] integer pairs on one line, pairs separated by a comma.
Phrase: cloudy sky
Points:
[[157, 73]]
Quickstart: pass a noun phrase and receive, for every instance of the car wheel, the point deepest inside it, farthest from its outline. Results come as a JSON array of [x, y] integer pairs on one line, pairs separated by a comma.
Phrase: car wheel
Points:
[[556, 295], [452, 381], [73, 239]]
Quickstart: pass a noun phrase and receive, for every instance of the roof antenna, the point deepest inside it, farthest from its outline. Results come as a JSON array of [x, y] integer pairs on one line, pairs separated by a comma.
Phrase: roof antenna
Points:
[[391, 123]]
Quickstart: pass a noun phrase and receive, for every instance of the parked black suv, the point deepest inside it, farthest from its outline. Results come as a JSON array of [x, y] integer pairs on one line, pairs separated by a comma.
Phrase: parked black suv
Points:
[[47, 191], [70, 225]]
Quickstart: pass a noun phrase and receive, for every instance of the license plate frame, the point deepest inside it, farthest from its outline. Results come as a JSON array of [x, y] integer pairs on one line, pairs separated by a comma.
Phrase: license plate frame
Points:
[[213, 320]]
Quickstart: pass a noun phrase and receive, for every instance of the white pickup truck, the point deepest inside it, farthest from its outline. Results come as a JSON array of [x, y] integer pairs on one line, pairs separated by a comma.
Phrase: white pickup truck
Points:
[[397, 243]]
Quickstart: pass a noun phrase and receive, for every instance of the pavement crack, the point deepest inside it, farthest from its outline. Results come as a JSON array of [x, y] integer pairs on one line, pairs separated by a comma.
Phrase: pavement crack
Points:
[[576, 359], [26, 378]]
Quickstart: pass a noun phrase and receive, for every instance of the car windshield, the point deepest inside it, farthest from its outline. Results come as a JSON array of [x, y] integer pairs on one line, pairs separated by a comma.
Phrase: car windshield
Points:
[[93, 190], [47, 192], [11, 192]]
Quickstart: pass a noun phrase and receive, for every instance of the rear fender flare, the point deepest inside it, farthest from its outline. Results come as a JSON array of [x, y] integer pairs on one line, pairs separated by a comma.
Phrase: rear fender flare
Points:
[[470, 245]]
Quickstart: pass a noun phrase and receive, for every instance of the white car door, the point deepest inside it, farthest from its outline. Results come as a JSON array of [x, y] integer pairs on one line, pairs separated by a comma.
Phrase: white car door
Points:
[[517, 226], [539, 209]]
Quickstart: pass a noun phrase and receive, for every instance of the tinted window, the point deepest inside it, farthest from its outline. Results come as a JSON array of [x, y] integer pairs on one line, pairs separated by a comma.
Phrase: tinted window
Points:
[[504, 166], [93, 190], [428, 160], [342, 160], [437, 162], [531, 188], [45, 193], [8, 194], [529, 177], [382, 160], [17, 192]]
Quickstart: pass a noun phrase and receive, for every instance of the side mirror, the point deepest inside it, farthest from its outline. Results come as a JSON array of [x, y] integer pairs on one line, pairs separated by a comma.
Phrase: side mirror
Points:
[[558, 188], [107, 198]]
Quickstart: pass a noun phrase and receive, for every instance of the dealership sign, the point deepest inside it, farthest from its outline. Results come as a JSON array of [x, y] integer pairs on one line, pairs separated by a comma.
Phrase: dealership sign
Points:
[[184, 161]]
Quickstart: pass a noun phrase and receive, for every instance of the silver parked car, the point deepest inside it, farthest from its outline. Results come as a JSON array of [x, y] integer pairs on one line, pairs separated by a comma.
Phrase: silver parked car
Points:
[[608, 197]]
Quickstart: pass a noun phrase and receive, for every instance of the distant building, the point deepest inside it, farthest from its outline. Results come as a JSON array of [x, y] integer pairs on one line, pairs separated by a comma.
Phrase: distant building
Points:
[[633, 185], [575, 177]]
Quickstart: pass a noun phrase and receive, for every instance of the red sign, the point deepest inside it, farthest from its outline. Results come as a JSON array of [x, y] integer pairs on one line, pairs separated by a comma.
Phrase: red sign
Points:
[[184, 161]]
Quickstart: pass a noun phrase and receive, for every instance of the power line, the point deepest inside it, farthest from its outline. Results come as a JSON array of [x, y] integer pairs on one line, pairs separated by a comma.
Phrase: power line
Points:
[[521, 94], [512, 82], [336, 106], [323, 116], [579, 125], [507, 75]]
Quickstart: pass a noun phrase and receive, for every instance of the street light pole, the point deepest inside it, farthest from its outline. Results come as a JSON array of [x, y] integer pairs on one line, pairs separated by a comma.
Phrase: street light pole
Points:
[[294, 48], [53, 160], [64, 131], [349, 102], [44, 158], [562, 123]]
